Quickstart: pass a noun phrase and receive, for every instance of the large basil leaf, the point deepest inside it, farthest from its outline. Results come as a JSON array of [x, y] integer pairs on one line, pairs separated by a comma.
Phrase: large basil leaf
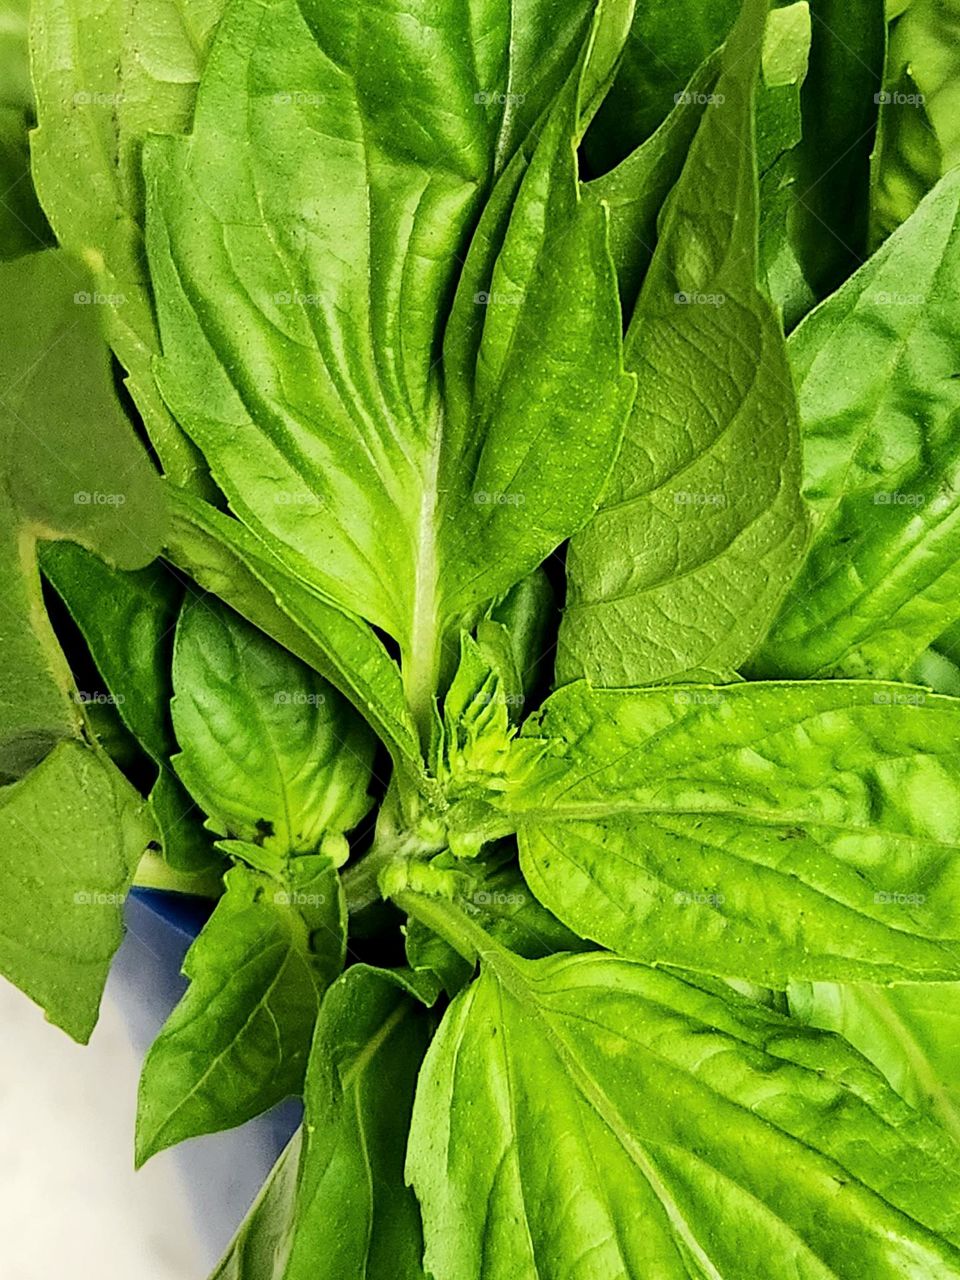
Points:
[[910, 1031], [758, 831], [71, 468], [587, 1116], [238, 1040], [336, 1204], [880, 403], [71, 832], [106, 75], [304, 242], [702, 524], [267, 748]]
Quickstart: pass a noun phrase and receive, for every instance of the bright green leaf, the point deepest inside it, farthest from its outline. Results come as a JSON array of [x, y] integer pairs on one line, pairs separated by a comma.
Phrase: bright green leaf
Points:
[[758, 831], [587, 1116], [267, 748], [318, 400], [72, 833], [106, 75], [876, 370], [702, 524], [225, 558], [237, 1043]]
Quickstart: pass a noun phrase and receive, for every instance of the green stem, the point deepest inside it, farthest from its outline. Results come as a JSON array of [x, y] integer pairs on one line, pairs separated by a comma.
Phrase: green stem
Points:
[[361, 882], [447, 920]]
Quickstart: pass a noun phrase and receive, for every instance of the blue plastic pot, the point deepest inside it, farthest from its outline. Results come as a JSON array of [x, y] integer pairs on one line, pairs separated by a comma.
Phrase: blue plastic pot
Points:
[[223, 1172]]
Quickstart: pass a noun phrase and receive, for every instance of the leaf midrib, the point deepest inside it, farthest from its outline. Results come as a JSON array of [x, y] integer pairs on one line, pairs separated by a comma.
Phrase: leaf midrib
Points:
[[508, 977], [922, 1068], [760, 817]]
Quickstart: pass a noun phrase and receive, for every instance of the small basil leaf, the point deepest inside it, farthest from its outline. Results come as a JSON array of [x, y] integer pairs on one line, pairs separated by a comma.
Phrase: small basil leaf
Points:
[[269, 750], [336, 1204], [237, 1042], [224, 557]]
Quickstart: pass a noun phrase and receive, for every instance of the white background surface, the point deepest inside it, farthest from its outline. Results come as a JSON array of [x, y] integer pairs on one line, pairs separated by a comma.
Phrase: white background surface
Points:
[[71, 1205]]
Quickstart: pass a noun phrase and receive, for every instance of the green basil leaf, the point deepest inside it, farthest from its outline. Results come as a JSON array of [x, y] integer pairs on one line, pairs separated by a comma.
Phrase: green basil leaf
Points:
[[106, 75], [910, 1032], [919, 138], [881, 580], [72, 468], [237, 1043], [635, 191], [702, 523], [758, 831], [260, 1248], [225, 558], [588, 1108], [348, 1212], [267, 748], [317, 400], [72, 832]]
